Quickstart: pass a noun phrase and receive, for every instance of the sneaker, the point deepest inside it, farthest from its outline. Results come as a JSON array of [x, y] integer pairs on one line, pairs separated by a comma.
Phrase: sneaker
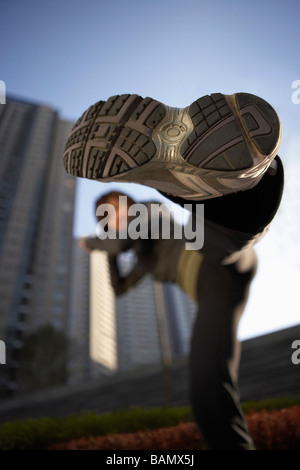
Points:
[[218, 145]]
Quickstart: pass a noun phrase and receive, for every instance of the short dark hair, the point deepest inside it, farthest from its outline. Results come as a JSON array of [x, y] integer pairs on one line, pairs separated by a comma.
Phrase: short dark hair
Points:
[[106, 198]]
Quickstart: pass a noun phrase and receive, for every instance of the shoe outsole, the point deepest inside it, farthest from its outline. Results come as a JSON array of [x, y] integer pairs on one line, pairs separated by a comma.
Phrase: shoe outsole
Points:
[[215, 134]]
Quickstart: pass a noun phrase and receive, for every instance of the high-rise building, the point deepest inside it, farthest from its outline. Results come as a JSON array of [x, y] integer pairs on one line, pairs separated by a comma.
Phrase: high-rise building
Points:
[[154, 321], [79, 321], [36, 221], [139, 341], [92, 325], [180, 316], [103, 328]]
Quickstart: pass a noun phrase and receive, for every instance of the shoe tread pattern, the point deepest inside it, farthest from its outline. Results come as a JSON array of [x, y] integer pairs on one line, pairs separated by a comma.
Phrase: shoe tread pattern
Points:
[[112, 137], [260, 120], [216, 142]]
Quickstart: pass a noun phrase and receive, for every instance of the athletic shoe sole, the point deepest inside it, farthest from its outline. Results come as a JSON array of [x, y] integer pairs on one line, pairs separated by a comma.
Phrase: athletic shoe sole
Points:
[[218, 145]]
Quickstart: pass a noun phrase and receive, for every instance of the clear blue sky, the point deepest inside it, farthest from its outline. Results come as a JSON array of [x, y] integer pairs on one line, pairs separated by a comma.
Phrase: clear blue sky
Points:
[[69, 54]]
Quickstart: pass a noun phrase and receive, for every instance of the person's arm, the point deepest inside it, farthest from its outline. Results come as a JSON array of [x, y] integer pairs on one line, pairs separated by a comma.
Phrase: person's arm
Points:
[[112, 246], [122, 284]]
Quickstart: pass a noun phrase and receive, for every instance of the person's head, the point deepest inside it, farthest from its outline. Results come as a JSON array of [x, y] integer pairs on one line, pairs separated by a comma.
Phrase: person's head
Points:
[[121, 206]]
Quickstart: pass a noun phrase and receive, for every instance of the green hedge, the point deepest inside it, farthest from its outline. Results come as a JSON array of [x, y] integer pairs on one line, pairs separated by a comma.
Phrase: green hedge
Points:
[[269, 405], [36, 434]]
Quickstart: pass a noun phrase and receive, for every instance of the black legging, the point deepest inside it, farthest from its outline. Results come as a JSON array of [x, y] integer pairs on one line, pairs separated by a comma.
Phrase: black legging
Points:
[[215, 352], [232, 225]]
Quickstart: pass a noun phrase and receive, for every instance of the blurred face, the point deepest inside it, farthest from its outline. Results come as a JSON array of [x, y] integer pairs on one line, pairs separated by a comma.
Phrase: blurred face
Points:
[[119, 221]]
